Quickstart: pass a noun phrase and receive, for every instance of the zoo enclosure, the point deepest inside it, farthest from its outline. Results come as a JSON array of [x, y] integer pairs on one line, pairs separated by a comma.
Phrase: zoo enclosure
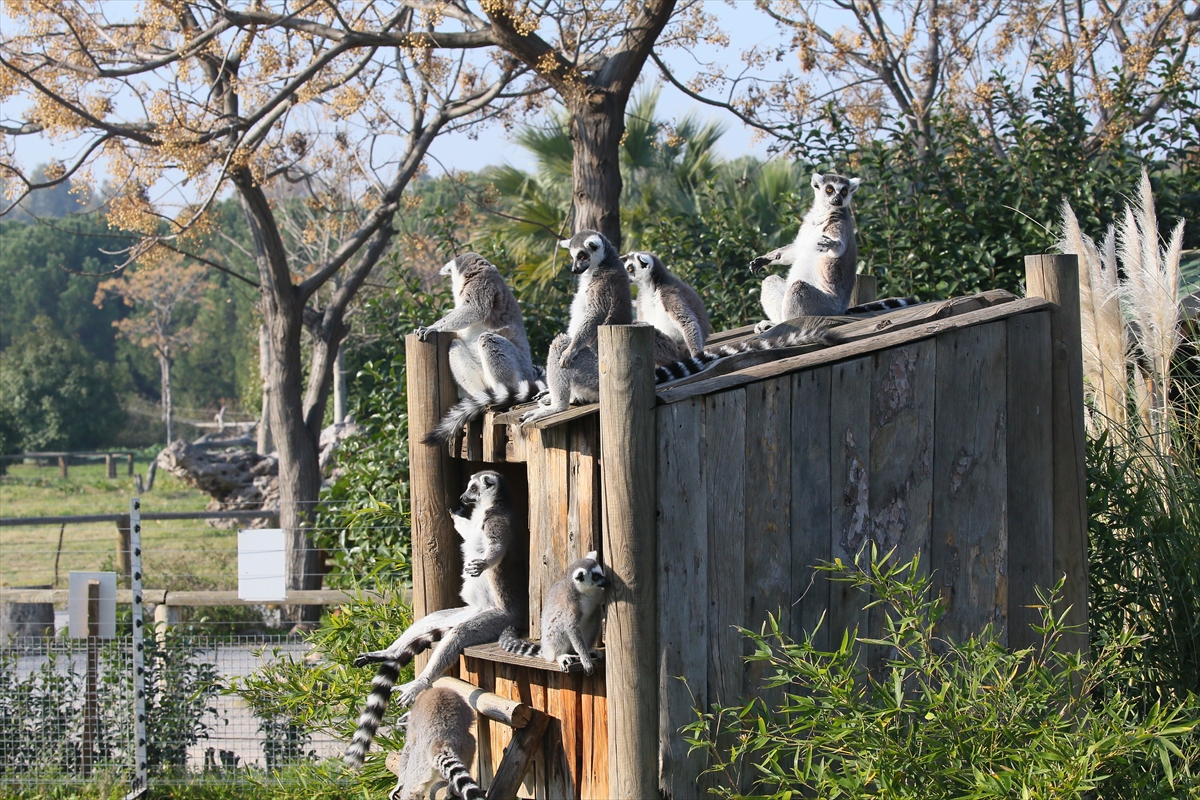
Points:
[[69, 704], [953, 429]]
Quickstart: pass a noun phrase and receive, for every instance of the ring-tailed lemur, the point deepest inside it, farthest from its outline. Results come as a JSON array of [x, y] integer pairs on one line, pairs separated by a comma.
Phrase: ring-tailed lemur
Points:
[[602, 298], [490, 360], [674, 309], [822, 258], [488, 591], [570, 618], [438, 746]]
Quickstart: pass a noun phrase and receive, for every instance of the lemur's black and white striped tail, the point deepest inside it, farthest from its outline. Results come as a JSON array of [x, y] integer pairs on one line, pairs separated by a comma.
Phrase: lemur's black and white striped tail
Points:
[[469, 408], [512, 643], [693, 366], [372, 715], [887, 304], [457, 775]]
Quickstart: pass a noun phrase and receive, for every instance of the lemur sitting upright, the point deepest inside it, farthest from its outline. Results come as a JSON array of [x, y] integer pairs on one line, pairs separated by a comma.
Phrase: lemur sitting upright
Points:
[[488, 590], [602, 298], [822, 259], [490, 360], [674, 309], [570, 618]]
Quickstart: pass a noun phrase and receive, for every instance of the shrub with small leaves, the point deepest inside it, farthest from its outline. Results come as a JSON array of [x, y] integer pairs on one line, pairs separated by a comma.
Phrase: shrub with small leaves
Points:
[[945, 719]]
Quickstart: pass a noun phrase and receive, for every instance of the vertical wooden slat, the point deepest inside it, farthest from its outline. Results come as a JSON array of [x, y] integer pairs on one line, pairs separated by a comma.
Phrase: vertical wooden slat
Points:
[[495, 438], [1056, 278], [1030, 472], [725, 481], [434, 479], [903, 391], [548, 474], [811, 522], [629, 443], [583, 522], [541, 767], [970, 494], [682, 590], [595, 740], [557, 746], [849, 440], [865, 288], [768, 561]]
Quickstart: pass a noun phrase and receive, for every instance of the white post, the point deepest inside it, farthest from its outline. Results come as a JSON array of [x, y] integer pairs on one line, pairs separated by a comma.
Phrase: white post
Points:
[[139, 650]]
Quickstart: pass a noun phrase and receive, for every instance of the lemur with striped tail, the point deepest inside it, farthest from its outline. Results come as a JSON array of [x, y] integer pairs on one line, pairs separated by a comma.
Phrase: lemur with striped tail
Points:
[[570, 618], [438, 746], [489, 591], [490, 360]]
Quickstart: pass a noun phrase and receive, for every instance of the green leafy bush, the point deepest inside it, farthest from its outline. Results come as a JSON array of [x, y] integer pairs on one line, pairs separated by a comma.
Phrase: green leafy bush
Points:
[[325, 693], [944, 719]]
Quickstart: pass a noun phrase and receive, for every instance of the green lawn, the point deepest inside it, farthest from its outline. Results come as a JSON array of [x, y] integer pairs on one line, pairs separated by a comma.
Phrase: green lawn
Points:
[[178, 554]]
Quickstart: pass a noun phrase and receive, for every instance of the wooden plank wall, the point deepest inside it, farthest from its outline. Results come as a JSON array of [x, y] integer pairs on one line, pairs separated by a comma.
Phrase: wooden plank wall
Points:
[[573, 760], [939, 446]]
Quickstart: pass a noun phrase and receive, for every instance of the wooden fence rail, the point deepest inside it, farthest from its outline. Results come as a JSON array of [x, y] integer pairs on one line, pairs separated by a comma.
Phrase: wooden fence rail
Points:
[[64, 457]]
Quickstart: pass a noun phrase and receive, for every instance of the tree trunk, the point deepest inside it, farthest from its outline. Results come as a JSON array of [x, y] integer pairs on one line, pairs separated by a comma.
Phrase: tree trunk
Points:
[[597, 125], [339, 386], [264, 368], [297, 445], [164, 366]]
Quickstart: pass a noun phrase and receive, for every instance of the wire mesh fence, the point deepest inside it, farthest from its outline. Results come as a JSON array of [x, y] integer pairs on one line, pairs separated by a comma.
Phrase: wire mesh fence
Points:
[[70, 710], [67, 710]]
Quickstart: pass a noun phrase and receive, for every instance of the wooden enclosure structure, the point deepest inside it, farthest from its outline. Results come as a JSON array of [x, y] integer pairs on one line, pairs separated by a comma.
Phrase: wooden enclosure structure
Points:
[[953, 429]]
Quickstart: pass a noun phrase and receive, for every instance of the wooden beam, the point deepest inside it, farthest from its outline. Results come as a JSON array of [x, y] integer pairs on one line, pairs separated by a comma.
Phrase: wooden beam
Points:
[[628, 442], [1056, 278], [512, 713], [434, 478], [843, 352], [526, 743]]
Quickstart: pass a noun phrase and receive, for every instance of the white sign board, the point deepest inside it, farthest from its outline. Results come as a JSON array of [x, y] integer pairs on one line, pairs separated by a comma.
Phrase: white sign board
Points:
[[261, 565], [77, 604]]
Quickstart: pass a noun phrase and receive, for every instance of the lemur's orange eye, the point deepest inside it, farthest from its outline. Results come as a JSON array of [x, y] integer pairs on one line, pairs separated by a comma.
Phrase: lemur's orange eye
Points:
[[828, 190]]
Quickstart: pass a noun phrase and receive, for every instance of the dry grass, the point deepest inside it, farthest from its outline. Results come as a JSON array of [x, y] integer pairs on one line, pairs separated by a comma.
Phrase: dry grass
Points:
[[179, 554]]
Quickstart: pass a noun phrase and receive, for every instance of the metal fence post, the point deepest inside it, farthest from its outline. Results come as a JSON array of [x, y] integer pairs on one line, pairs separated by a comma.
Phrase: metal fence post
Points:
[[140, 784]]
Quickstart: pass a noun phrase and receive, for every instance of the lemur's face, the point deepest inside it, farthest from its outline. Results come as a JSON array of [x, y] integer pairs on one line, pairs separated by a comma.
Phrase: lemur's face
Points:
[[587, 249], [482, 484], [834, 190], [638, 265], [588, 574]]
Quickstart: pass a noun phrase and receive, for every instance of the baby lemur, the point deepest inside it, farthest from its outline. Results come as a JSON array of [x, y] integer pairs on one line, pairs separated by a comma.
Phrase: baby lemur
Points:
[[570, 618], [490, 360], [822, 259], [602, 298], [438, 746], [488, 590]]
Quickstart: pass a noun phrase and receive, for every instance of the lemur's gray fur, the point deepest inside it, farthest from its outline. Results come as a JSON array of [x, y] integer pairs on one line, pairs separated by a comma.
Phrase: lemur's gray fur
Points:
[[602, 298], [490, 360], [822, 259], [487, 590], [438, 746], [671, 306], [570, 618]]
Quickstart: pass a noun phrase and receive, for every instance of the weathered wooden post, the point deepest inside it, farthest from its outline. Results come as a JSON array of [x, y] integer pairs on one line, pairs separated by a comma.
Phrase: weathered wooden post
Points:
[[866, 288], [62, 466], [129, 464], [110, 466], [433, 478], [91, 706], [1056, 278], [628, 446], [123, 560]]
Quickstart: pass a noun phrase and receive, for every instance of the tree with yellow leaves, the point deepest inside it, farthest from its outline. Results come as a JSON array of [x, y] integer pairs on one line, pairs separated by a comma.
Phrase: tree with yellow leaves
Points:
[[179, 102], [157, 294]]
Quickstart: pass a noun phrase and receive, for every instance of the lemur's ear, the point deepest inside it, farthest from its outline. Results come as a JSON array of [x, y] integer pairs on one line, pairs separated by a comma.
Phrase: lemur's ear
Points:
[[645, 259], [854, 184], [817, 180], [593, 555], [488, 480], [564, 243]]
